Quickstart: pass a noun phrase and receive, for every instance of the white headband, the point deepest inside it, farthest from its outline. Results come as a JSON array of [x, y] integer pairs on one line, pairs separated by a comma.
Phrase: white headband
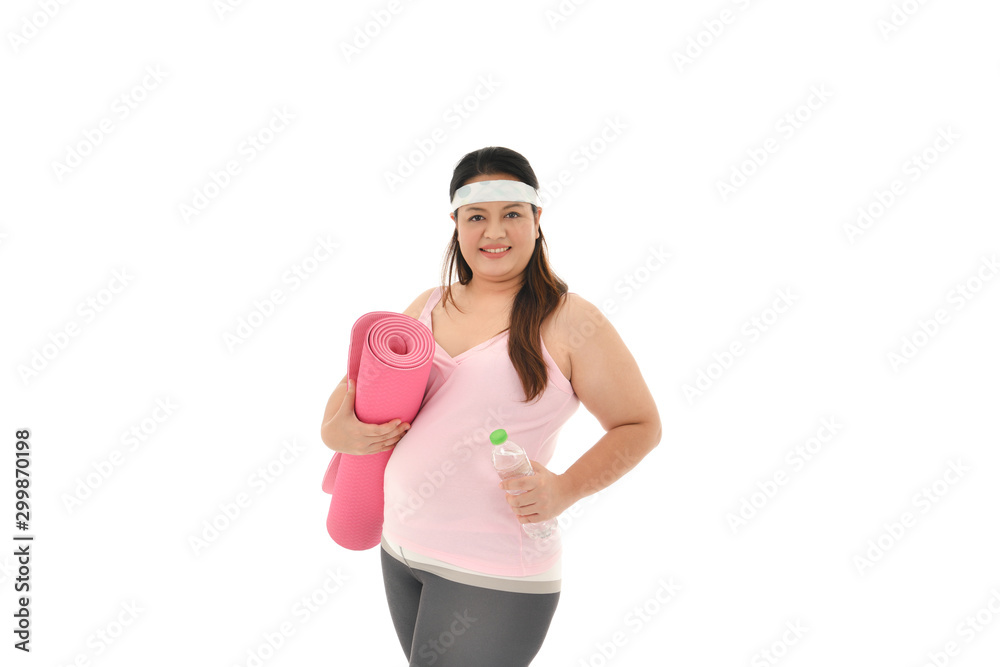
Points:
[[494, 191]]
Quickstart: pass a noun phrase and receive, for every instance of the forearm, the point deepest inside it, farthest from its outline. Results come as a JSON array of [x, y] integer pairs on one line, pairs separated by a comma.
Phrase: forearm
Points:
[[332, 405], [617, 452]]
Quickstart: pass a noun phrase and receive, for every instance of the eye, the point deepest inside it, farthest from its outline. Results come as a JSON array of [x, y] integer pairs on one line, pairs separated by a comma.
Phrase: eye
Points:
[[473, 218]]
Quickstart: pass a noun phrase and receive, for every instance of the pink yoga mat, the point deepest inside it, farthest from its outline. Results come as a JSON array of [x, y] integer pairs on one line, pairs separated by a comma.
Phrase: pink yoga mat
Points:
[[389, 359]]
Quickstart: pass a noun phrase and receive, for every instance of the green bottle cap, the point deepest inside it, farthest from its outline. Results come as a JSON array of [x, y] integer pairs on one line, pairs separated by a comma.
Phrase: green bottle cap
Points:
[[498, 437]]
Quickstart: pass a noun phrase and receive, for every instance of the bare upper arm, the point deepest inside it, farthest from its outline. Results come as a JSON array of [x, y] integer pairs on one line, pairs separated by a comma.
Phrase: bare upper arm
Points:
[[606, 377], [417, 307]]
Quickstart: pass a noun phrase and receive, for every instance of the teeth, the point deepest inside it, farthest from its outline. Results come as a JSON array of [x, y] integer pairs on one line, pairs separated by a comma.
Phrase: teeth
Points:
[[497, 250]]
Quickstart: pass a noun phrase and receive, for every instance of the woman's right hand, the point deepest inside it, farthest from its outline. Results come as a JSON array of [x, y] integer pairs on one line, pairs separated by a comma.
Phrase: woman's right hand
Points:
[[345, 433]]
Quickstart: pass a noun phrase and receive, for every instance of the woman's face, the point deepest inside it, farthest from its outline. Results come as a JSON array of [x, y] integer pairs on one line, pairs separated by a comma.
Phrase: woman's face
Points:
[[497, 223]]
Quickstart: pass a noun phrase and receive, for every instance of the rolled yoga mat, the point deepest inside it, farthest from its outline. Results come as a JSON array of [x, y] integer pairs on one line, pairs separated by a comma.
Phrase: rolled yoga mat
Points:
[[389, 360]]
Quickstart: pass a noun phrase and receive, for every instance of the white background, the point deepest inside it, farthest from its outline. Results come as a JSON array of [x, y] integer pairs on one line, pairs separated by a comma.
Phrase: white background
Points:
[[684, 128]]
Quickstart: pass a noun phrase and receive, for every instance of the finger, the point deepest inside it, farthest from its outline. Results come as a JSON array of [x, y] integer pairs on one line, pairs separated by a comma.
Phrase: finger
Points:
[[519, 502], [380, 447], [391, 438], [394, 427], [386, 443], [379, 432]]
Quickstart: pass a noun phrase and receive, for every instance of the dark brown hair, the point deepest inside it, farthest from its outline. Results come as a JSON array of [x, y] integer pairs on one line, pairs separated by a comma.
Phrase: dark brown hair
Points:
[[541, 290]]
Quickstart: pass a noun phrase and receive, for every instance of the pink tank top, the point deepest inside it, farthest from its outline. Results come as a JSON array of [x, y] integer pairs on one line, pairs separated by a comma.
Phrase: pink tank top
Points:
[[441, 493]]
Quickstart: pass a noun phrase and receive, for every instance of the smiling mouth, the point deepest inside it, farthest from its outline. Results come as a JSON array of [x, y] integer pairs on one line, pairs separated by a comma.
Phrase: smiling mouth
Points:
[[495, 251]]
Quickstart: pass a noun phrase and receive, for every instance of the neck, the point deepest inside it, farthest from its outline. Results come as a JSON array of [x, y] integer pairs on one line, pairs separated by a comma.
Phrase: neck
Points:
[[492, 291]]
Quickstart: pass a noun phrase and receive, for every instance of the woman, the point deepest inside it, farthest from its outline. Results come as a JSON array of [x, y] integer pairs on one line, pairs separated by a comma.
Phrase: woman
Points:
[[515, 350]]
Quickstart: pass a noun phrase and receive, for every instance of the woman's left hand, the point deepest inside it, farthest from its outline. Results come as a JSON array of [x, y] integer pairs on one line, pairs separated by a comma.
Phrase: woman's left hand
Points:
[[544, 496]]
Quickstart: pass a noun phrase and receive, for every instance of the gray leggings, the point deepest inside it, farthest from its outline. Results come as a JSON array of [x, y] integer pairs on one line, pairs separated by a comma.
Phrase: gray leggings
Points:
[[448, 624]]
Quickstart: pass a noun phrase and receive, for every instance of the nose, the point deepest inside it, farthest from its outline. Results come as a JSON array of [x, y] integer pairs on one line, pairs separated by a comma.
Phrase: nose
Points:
[[494, 228]]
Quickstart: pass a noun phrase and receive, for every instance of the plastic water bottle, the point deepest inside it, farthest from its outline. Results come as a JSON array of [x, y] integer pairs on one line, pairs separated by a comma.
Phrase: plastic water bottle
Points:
[[510, 461]]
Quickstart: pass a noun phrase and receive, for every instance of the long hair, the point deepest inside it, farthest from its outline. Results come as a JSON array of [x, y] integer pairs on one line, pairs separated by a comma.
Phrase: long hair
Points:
[[541, 289]]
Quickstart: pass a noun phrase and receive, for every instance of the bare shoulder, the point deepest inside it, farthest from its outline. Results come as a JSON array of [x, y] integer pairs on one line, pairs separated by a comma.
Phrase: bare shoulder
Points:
[[576, 318], [573, 320], [417, 307], [577, 306], [585, 332]]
